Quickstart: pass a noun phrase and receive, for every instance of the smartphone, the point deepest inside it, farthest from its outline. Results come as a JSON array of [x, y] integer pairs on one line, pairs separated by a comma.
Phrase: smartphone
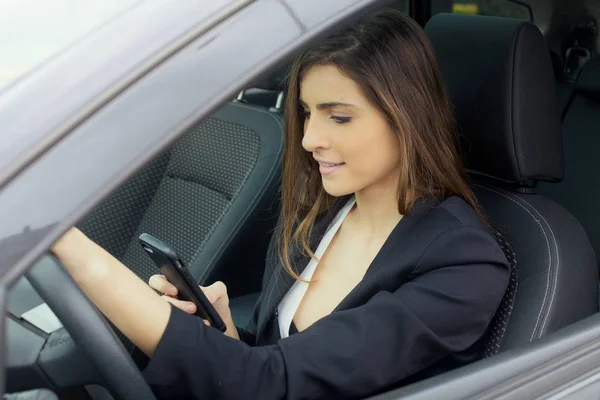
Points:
[[176, 272]]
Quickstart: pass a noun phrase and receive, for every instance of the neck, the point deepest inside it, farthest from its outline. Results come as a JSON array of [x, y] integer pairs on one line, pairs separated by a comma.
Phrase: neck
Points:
[[377, 209]]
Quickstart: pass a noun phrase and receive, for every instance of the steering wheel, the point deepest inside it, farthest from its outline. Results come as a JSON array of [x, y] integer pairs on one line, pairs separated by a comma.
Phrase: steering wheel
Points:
[[89, 330]]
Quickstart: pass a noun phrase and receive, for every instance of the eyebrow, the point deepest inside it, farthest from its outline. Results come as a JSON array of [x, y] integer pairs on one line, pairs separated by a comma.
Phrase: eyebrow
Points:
[[325, 106]]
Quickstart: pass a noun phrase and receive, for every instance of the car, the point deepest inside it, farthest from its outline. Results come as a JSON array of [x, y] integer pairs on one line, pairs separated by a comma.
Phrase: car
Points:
[[165, 117]]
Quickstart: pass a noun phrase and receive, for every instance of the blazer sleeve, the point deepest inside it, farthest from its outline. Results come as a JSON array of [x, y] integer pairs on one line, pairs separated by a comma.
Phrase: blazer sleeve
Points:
[[445, 308]]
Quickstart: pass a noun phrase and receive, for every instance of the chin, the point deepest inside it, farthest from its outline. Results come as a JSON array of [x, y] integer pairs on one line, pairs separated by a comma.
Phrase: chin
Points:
[[337, 190]]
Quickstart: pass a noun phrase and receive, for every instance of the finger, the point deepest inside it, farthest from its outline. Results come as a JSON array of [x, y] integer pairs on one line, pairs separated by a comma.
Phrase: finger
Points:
[[215, 291], [160, 283], [206, 322], [186, 306], [209, 294]]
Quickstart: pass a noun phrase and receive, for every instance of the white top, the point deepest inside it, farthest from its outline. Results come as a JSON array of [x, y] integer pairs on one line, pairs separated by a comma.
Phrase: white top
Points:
[[291, 301]]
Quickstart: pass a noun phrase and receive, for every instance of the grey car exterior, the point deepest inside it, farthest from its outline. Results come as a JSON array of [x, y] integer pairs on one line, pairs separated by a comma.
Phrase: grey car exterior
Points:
[[75, 128]]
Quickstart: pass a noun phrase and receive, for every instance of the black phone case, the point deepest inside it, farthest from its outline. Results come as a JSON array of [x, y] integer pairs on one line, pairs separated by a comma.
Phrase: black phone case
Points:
[[175, 270]]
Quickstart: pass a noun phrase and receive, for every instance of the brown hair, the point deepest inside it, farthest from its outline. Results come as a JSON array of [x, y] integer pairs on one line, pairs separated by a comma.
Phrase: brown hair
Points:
[[388, 55]]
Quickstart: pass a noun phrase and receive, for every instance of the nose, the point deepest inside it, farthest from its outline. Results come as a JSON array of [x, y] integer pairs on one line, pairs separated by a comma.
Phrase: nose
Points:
[[313, 138]]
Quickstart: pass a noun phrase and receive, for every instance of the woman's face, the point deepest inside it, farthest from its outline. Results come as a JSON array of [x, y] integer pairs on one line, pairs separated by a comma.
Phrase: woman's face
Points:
[[351, 140]]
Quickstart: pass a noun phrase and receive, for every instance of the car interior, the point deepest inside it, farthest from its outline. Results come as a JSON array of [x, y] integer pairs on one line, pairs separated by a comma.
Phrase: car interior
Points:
[[212, 196], [527, 100], [517, 110]]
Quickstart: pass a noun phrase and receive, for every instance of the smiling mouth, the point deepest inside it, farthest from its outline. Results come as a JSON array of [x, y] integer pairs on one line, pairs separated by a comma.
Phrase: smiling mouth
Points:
[[328, 168]]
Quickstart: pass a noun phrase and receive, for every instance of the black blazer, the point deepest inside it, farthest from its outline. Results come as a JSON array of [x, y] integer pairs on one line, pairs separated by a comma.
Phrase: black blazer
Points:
[[422, 307]]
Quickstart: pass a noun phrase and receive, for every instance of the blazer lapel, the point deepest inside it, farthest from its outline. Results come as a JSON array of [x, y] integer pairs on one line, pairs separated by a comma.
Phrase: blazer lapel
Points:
[[281, 281], [399, 239]]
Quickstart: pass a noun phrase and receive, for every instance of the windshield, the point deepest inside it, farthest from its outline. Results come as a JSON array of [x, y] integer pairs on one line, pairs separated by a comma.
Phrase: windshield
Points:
[[32, 31]]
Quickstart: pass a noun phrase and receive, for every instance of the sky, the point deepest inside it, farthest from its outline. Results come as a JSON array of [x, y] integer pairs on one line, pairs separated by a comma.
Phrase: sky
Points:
[[33, 30]]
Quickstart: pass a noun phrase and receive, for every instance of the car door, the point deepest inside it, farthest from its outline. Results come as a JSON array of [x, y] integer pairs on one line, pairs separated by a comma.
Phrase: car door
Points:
[[106, 107], [60, 170], [563, 365]]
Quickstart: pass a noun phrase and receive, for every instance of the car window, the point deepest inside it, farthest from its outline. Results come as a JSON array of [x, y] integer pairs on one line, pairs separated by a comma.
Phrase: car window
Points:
[[34, 30], [497, 8]]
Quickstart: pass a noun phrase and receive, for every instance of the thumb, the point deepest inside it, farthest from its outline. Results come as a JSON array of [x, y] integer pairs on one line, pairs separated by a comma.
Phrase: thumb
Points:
[[215, 292]]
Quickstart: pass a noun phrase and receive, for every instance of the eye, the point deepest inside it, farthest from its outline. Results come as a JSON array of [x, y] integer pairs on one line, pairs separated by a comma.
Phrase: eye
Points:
[[306, 114], [341, 120]]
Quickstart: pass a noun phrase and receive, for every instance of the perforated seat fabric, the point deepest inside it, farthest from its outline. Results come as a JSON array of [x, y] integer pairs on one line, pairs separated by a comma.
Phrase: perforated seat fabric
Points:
[[497, 329], [206, 171], [212, 197]]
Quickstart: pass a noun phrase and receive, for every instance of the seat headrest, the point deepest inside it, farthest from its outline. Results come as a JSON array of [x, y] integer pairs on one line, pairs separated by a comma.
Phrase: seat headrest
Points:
[[588, 82], [499, 75]]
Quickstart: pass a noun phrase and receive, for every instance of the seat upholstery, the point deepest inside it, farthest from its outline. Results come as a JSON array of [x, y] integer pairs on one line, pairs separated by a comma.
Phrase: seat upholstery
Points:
[[213, 197], [579, 192], [499, 76]]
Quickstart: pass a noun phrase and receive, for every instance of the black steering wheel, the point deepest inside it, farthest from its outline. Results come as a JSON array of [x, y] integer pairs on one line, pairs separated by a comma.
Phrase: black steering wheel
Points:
[[89, 330]]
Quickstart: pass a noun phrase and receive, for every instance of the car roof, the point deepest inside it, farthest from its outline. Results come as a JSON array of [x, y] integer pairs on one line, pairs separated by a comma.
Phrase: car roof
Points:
[[40, 107]]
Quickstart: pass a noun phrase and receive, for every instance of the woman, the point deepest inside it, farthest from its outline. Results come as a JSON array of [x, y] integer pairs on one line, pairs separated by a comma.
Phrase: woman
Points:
[[405, 275]]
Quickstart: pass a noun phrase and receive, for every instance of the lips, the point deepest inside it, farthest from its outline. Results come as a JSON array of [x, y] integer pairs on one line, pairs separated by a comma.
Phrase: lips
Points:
[[329, 164], [329, 168]]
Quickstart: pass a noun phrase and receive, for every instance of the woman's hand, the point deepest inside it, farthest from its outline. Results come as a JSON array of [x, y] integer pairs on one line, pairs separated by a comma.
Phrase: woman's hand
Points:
[[143, 318], [215, 293]]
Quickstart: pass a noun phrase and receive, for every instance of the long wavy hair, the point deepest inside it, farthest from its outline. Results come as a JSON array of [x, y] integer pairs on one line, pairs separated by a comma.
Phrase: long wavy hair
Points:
[[388, 55]]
